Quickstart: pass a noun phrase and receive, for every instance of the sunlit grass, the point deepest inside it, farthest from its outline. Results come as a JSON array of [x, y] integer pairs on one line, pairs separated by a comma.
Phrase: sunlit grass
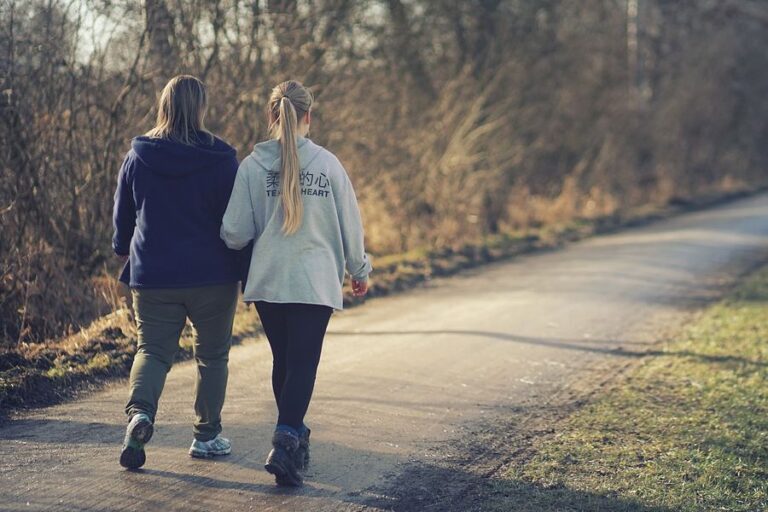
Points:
[[688, 430]]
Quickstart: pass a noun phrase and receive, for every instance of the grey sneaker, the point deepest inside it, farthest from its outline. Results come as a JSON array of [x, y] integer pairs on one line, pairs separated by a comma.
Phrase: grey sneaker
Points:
[[213, 448], [137, 434]]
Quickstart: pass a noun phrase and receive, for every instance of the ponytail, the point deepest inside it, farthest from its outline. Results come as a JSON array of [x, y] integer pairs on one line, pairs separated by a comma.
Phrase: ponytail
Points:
[[289, 101], [290, 177]]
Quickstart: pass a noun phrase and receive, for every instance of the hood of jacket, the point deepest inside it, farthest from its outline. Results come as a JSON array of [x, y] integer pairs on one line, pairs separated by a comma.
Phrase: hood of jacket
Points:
[[267, 154], [171, 158]]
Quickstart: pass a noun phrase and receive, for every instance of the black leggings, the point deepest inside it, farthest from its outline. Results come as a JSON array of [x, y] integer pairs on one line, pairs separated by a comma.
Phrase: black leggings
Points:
[[295, 333]]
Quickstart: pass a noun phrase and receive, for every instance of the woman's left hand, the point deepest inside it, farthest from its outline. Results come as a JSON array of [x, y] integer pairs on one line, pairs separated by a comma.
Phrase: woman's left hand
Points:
[[359, 288]]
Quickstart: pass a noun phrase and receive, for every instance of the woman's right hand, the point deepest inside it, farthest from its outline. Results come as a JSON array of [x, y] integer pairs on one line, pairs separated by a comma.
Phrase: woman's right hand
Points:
[[359, 288]]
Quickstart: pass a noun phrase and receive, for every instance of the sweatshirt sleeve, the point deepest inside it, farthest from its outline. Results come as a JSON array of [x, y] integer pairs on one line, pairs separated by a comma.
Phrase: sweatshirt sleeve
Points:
[[238, 227], [352, 235], [124, 211]]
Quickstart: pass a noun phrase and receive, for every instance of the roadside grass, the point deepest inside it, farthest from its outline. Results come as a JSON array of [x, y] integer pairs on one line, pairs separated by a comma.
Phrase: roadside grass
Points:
[[39, 374], [45, 373], [685, 431]]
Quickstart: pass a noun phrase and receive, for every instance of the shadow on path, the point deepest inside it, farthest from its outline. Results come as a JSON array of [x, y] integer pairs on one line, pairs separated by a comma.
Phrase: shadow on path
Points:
[[584, 345], [426, 488]]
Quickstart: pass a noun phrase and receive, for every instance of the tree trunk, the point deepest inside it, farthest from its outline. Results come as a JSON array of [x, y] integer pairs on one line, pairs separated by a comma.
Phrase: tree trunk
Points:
[[163, 60], [411, 56]]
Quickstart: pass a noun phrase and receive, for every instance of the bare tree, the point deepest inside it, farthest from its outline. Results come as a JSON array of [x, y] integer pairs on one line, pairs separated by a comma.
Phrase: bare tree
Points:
[[456, 120], [162, 51]]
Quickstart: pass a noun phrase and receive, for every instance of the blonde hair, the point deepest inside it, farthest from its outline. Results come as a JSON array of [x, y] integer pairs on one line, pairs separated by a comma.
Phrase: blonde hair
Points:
[[181, 112], [289, 102]]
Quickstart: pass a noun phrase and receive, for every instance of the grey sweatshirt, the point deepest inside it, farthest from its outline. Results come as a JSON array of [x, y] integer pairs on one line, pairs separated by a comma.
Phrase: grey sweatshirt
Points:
[[308, 266]]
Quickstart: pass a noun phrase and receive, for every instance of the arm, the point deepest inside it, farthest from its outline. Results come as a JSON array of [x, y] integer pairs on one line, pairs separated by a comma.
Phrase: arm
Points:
[[124, 212], [228, 176], [352, 235], [238, 227]]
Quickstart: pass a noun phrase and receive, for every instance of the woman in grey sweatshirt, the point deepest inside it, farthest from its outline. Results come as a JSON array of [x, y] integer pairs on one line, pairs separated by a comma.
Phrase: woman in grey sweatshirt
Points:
[[294, 199]]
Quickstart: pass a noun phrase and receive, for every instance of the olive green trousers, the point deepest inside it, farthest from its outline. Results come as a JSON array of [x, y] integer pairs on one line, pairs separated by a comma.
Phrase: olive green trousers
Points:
[[161, 314]]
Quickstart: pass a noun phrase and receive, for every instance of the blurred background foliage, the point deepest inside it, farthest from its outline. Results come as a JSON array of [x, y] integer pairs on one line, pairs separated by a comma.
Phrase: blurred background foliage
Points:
[[456, 119]]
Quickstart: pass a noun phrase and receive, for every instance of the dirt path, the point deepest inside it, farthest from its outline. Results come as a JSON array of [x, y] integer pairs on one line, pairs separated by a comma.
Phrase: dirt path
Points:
[[401, 376]]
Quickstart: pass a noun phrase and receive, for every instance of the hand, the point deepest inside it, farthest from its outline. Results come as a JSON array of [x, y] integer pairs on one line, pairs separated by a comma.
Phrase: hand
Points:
[[359, 288]]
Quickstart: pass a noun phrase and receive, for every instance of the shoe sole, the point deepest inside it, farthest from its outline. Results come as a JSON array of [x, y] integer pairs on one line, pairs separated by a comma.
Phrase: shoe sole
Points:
[[284, 477], [143, 431], [199, 454], [132, 457]]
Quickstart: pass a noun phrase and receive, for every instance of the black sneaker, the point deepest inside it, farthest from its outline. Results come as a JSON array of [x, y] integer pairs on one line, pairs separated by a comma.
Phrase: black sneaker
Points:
[[281, 461], [301, 458], [137, 434]]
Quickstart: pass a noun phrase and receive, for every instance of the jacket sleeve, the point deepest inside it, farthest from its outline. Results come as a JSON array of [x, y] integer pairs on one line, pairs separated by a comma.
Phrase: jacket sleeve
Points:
[[238, 227], [229, 175], [352, 236], [124, 211]]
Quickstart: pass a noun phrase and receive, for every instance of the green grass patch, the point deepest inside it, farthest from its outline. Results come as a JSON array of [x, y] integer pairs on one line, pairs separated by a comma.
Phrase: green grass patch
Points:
[[685, 431]]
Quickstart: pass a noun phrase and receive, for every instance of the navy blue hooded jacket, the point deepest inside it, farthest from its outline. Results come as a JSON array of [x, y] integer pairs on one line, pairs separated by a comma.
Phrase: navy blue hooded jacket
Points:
[[169, 203]]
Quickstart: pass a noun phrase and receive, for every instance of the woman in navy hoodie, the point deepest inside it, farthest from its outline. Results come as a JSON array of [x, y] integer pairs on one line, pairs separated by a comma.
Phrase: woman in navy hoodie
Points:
[[172, 192]]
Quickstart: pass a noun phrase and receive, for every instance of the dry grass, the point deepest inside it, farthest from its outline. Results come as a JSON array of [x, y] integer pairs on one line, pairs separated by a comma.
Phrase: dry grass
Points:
[[38, 374], [457, 121]]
